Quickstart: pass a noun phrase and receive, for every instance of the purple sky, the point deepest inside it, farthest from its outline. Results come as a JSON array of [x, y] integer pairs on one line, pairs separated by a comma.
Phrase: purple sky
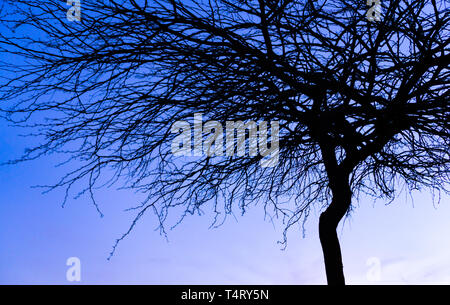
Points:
[[38, 236]]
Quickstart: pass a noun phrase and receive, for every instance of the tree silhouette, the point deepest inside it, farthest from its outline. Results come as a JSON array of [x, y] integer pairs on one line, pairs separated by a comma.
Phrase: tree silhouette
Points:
[[362, 105]]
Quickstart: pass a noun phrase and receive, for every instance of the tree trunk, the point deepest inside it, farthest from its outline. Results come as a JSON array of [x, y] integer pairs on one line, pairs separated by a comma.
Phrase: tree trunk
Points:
[[338, 183], [328, 223]]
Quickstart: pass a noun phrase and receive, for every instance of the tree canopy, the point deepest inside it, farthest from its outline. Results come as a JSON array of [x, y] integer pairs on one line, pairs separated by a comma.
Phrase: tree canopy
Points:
[[362, 105]]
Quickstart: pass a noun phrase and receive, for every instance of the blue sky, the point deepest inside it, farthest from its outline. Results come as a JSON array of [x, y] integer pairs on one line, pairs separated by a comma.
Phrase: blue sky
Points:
[[409, 238]]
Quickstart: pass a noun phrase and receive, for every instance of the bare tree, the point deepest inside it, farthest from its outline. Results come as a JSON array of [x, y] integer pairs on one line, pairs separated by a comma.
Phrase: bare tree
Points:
[[362, 105]]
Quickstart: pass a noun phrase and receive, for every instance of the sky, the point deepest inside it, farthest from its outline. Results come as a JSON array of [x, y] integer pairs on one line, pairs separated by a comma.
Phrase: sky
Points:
[[405, 242]]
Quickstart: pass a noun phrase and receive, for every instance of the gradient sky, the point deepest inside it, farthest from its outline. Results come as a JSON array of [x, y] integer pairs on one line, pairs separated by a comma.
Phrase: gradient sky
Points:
[[410, 238]]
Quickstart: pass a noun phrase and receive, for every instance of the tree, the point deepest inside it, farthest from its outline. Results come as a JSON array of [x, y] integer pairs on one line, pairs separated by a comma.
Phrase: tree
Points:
[[358, 106]]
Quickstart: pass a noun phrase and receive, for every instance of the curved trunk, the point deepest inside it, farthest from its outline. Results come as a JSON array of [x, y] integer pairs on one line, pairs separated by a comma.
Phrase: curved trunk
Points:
[[328, 223], [338, 183]]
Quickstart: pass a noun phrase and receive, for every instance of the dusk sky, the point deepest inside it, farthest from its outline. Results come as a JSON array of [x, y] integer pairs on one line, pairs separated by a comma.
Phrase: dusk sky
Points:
[[409, 238], [405, 242]]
